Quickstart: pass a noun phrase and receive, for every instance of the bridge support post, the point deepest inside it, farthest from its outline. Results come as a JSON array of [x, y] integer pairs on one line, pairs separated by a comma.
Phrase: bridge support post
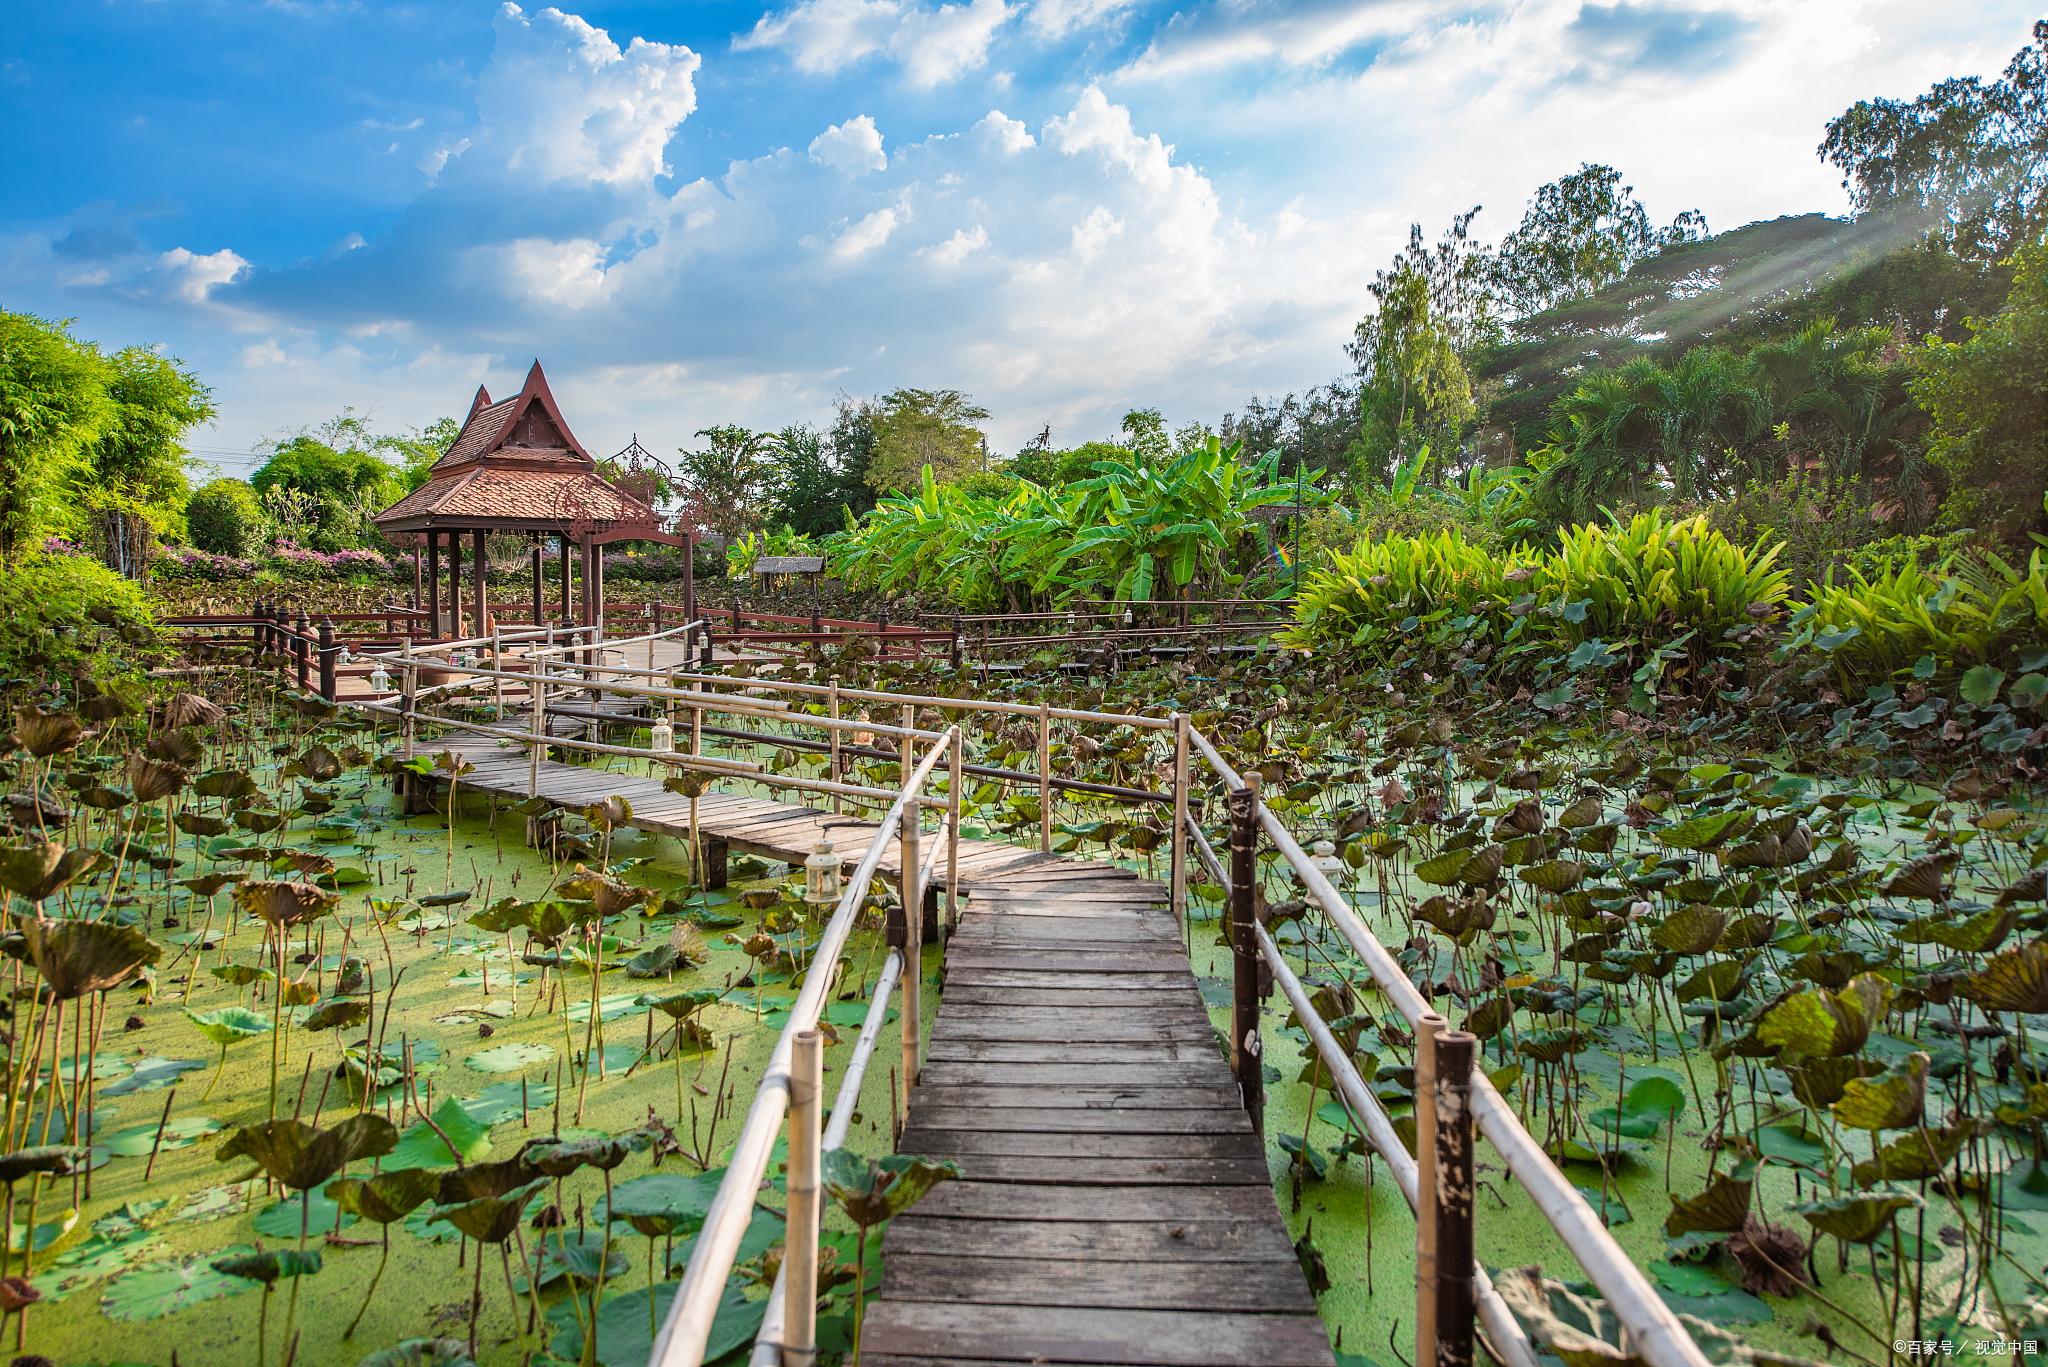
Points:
[[1177, 845], [800, 1291], [1247, 1050], [329, 652], [1427, 1030], [717, 853], [1455, 1192]]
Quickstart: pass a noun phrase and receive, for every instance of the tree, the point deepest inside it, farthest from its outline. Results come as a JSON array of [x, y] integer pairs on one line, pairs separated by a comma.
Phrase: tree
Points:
[[915, 428], [814, 493], [1145, 435], [731, 481], [1966, 162], [1433, 309], [1986, 396], [1578, 234], [131, 481], [417, 450], [223, 517], [336, 478], [54, 404]]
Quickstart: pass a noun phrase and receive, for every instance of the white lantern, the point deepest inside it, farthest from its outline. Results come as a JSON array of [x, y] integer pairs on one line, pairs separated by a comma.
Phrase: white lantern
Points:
[[380, 679], [664, 736], [863, 737], [1323, 855], [1128, 619], [821, 874], [1070, 621]]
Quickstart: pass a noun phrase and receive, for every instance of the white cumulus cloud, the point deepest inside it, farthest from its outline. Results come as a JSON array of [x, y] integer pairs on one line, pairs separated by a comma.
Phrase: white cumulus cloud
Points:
[[932, 45], [852, 147]]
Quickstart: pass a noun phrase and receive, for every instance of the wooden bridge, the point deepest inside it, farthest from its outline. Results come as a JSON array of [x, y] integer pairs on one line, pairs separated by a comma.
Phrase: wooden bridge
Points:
[[1118, 1208]]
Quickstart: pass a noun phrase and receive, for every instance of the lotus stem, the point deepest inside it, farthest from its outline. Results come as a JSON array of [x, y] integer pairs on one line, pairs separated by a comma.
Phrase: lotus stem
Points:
[[263, 1324]]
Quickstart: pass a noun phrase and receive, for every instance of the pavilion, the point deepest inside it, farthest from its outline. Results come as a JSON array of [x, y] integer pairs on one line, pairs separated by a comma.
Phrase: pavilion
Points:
[[516, 467]]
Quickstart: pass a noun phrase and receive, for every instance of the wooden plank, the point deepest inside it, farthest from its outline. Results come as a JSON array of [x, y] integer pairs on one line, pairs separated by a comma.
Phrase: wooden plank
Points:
[[1105, 1241], [1128, 1338], [1030, 979], [1117, 1172], [976, 1199], [1022, 1095], [1081, 1018], [1268, 1287], [1210, 1072], [1148, 998], [1057, 1034], [1151, 1052], [1174, 1149], [941, 1111], [1072, 962]]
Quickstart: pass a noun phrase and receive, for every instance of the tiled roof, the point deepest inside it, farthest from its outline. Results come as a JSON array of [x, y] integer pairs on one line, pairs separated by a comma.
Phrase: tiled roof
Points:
[[479, 432], [486, 492]]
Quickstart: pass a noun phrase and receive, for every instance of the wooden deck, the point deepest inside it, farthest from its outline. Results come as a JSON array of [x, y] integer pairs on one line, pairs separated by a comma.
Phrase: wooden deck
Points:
[[1117, 1207]]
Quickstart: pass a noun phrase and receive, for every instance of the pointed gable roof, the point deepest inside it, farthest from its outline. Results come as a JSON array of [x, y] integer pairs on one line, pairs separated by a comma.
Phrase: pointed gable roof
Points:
[[515, 465], [526, 429]]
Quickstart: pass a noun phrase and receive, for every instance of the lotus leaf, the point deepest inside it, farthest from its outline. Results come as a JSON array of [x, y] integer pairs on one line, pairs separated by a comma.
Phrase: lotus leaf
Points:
[[1706, 832], [484, 1179], [211, 883], [77, 957], [1721, 982], [267, 1265], [2014, 980], [1556, 875], [283, 903], [43, 734], [57, 1160], [421, 1147], [1858, 1218], [228, 1024], [490, 1219], [559, 1158], [189, 709], [37, 870], [1822, 1081], [152, 1290], [386, 1198], [301, 1156], [1694, 929], [1922, 878], [663, 1203], [154, 780], [1916, 1155], [422, 1353], [226, 783], [1720, 1209], [1888, 1101], [871, 1191], [335, 1012]]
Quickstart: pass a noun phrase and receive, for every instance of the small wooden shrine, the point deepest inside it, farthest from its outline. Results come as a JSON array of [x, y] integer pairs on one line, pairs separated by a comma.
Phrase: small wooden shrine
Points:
[[516, 467]]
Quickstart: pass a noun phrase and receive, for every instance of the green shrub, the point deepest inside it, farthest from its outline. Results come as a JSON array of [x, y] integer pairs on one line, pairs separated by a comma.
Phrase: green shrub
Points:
[[1647, 581], [1962, 612], [224, 518], [71, 612], [1651, 577]]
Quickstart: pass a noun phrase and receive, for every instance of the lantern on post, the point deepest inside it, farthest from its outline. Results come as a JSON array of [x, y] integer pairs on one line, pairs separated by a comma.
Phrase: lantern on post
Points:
[[380, 679], [664, 736], [821, 874], [1323, 855]]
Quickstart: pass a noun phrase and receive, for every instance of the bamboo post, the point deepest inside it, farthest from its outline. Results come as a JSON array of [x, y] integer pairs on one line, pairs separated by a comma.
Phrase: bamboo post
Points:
[[1426, 1031], [539, 749], [832, 703], [953, 779], [1246, 1047], [1455, 1203], [912, 897], [497, 678], [1177, 846], [1045, 778], [411, 685], [800, 1298]]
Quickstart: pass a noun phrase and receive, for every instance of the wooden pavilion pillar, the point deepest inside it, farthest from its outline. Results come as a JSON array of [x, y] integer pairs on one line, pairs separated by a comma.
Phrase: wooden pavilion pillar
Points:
[[454, 584], [433, 604], [568, 618], [589, 618], [540, 608], [482, 606]]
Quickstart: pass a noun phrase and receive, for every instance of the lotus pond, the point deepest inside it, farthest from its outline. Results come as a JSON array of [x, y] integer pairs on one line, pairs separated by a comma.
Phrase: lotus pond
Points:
[[298, 1076]]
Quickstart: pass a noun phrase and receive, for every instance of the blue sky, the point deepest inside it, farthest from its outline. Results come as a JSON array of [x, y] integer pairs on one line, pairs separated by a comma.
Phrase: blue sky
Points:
[[697, 213]]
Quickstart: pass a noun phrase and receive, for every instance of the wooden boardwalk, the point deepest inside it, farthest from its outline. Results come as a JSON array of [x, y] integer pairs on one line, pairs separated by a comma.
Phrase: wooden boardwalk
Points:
[[1117, 1207]]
